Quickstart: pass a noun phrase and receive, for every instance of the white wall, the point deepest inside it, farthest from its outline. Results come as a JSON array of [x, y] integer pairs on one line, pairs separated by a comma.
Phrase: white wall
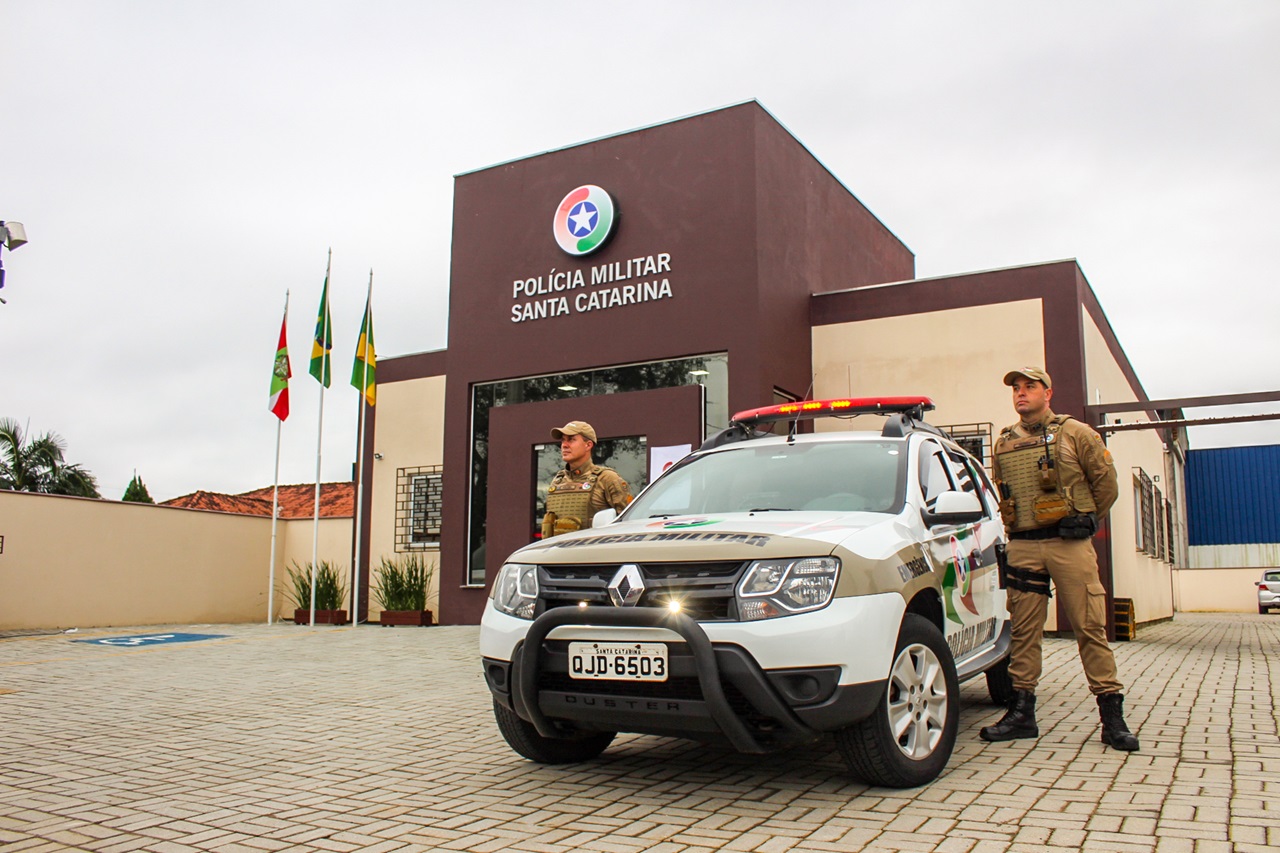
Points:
[[410, 434], [1229, 590], [76, 562], [956, 357]]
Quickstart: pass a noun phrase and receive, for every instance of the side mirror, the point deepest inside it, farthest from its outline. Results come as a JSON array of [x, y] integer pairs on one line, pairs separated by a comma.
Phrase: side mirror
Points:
[[603, 517], [954, 508]]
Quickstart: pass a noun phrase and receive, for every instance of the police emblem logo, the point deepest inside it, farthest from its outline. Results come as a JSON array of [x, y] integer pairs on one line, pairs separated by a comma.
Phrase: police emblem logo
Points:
[[583, 220]]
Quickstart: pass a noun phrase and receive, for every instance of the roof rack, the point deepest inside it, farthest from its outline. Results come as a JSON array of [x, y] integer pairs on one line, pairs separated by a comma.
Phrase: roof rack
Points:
[[906, 413]]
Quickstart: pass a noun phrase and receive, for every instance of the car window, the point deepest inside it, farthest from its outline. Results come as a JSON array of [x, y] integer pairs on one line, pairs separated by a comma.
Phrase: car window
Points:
[[975, 479], [936, 472], [839, 476], [1271, 577]]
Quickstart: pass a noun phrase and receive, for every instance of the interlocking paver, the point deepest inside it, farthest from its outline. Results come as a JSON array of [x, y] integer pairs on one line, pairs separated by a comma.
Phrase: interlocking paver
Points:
[[284, 737]]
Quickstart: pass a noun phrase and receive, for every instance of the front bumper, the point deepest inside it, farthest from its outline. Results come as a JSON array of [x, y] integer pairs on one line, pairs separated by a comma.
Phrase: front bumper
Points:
[[716, 691]]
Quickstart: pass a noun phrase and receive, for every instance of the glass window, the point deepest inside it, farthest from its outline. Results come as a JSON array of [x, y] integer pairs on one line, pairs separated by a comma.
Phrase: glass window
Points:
[[709, 371], [936, 475]]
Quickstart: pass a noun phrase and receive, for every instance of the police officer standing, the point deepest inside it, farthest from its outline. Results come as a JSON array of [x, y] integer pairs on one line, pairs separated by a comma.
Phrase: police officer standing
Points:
[[582, 488], [1056, 480]]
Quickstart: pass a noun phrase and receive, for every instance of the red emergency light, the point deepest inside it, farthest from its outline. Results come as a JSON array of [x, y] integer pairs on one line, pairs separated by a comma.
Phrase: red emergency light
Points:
[[844, 407]]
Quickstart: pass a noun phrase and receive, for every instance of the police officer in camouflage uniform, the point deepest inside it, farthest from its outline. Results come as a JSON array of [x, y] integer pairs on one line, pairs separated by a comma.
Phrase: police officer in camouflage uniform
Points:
[[582, 488], [1056, 480]]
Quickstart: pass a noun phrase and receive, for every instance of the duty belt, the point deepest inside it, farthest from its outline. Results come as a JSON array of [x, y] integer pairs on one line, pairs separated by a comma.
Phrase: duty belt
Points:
[[1042, 533]]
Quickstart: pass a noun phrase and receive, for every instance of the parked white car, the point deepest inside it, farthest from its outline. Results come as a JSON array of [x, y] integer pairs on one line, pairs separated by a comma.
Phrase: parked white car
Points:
[[1269, 591], [766, 591]]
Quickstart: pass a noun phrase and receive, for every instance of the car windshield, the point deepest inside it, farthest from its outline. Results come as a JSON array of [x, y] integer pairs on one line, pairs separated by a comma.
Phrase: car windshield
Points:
[[838, 476], [1271, 577]]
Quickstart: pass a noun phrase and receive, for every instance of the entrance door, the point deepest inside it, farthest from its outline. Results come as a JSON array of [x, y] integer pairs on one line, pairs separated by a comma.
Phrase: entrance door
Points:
[[636, 421]]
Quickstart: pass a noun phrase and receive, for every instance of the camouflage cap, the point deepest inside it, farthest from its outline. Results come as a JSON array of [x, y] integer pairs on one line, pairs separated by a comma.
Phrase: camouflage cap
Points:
[[1030, 373], [581, 428]]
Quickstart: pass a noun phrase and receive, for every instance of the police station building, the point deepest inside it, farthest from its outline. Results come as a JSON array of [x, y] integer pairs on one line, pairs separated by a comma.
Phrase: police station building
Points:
[[655, 282]]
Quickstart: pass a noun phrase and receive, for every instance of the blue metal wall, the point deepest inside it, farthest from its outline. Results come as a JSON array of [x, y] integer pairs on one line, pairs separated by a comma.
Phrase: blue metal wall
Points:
[[1233, 495]]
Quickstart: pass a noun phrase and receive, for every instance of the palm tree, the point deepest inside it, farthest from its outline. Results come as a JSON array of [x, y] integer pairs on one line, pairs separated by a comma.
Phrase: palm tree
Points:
[[36, 464]]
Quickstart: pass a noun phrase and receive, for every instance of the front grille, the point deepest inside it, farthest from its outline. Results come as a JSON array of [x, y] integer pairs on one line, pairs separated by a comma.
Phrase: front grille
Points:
[[704, 589]]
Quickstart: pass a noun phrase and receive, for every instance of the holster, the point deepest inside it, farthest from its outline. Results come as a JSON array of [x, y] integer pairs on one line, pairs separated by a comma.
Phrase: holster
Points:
[[1002, 563], [1025, 580]]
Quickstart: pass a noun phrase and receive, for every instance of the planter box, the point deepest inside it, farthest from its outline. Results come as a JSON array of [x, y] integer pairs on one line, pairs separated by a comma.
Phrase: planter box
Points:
[[323, 617], [416, 618]]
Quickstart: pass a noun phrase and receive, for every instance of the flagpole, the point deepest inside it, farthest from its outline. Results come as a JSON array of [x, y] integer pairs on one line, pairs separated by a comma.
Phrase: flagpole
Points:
[[275, 490], [315, 533], [275, 520], [315, 530], [362, 347]]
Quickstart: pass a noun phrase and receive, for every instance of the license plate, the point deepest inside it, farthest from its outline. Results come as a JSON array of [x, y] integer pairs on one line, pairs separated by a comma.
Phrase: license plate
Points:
[[618, 661]]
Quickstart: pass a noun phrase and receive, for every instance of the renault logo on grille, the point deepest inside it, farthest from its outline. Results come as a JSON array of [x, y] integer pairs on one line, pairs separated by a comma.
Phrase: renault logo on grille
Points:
[[627, 586]]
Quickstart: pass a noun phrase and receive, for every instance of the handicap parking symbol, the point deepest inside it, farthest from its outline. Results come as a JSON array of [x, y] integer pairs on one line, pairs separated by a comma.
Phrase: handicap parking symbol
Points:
[[149, 639]]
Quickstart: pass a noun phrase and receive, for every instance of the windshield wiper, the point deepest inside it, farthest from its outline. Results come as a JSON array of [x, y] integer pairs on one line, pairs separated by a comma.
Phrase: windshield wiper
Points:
[[772, 509]]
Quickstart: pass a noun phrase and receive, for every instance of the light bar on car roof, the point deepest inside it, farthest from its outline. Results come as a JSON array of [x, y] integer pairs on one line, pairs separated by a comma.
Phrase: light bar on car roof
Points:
[[805, 409]]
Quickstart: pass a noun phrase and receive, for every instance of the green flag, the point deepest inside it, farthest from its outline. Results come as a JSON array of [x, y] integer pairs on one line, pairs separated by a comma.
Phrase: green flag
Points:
[[362, 372], [323, 341]]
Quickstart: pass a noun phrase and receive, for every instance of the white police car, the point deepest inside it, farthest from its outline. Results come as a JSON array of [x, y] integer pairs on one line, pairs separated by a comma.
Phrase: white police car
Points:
[[766, 591]]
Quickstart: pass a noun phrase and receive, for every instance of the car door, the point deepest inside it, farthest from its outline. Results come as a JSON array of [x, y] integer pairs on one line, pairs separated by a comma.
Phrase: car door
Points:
[[963, 554]]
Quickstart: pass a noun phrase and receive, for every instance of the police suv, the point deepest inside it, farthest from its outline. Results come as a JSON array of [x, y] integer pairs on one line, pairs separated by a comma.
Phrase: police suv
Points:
[[762, 593]]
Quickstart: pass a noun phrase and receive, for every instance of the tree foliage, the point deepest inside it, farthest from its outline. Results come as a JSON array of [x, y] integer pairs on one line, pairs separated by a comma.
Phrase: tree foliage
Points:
[[136, 491], [38, 464]]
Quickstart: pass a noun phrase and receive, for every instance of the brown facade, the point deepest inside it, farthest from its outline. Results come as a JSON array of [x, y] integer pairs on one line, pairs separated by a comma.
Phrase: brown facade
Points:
[[755, 243], [752, 225]]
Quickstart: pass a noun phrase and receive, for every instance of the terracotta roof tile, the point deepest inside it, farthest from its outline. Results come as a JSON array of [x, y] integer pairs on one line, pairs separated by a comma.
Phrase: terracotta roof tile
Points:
[[337, 500]]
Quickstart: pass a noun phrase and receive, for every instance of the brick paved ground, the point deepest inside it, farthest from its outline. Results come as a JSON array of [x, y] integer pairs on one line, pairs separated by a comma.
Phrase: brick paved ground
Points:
[[283, 737]]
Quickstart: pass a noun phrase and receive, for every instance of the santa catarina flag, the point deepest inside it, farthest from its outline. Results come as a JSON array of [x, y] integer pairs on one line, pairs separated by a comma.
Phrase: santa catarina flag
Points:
[[366, 362], [280, 374], [323, 341]]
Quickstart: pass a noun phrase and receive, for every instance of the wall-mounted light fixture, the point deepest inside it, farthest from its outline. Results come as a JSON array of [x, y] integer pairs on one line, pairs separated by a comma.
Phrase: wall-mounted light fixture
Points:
[[12, 235]]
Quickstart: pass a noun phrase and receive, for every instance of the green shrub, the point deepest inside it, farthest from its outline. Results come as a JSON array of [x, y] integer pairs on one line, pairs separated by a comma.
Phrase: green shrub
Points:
[[402, 583], [331, 588]]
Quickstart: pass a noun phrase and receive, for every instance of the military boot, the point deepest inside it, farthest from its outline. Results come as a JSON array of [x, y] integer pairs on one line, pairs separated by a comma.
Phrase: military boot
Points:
[[1115, 733], [1018, 722]]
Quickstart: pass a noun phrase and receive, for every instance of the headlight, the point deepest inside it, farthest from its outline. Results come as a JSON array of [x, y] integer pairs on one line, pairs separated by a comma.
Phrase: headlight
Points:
[[515, 592], [781, 587]]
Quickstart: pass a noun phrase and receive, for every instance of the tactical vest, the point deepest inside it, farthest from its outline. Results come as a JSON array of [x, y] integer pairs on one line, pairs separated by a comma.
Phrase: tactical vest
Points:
[[1029, 468], [572, 500]]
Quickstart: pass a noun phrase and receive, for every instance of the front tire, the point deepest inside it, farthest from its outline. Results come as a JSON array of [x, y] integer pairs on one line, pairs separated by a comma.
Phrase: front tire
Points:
[[521, 736], [908, 740]]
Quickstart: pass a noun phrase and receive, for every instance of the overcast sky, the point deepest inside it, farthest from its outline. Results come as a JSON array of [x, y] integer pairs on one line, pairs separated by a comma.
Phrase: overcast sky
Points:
[[179, 165]]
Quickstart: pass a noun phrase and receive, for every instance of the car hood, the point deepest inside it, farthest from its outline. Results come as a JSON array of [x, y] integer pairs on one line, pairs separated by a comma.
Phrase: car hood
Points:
[[720, 536]]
